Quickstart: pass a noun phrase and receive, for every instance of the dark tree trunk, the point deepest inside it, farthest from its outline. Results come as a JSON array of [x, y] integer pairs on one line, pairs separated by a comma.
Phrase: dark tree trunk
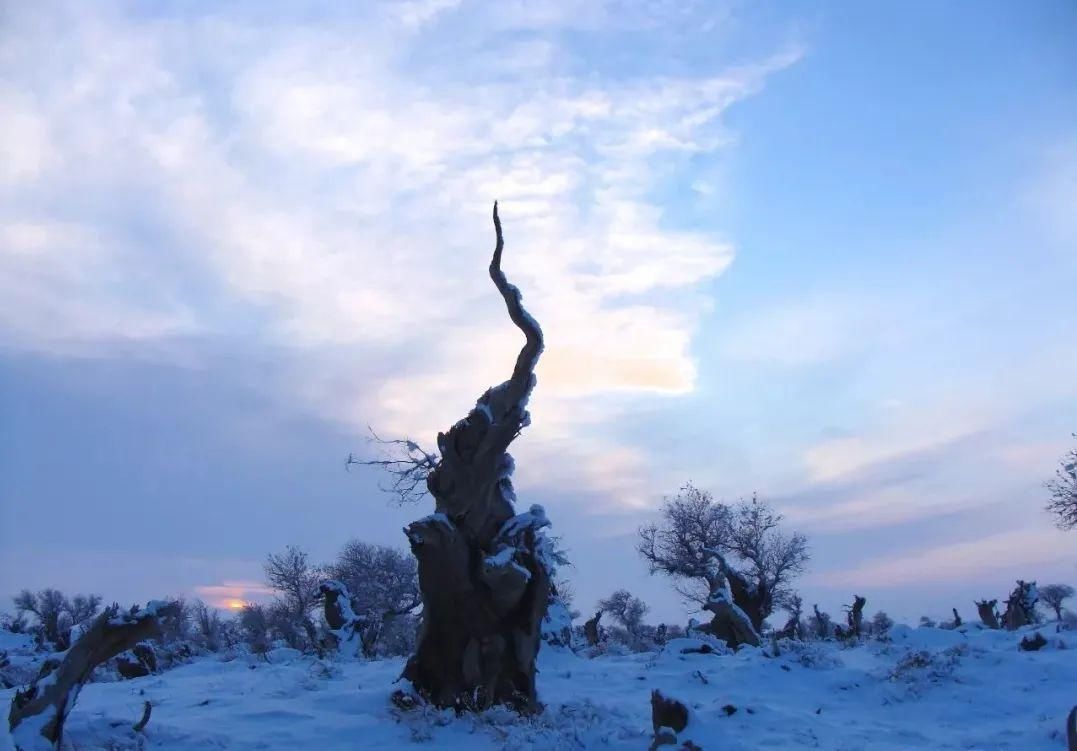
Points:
[[53, 692], [856, 615], [957, 618], [1020, 607], [591, 630], [484, 571], [988, 613]]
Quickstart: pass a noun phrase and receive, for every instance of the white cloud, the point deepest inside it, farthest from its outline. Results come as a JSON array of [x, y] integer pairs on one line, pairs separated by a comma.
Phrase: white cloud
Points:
[[313, 179]]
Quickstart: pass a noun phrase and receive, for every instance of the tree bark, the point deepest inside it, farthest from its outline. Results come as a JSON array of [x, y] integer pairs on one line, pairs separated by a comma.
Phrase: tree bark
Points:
[[44, 705], [484, 571]]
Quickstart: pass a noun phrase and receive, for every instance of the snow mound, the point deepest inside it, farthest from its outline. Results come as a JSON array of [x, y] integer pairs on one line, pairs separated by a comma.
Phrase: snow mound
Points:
[[926, 637]]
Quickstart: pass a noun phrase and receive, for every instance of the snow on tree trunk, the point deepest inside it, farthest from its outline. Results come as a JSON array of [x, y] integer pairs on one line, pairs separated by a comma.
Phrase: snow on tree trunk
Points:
[[484, 571], [349, 633], [37, 714], [736, 603]]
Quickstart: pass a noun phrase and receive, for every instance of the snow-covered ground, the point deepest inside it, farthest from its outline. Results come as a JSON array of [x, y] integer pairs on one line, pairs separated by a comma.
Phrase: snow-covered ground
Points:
[[927, 689]]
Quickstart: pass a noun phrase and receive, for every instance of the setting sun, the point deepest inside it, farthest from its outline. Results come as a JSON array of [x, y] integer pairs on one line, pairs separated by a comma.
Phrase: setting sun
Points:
[[234, 604]]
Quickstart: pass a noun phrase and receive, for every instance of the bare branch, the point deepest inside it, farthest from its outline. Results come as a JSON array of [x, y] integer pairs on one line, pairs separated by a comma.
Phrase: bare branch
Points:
[[405, 462]]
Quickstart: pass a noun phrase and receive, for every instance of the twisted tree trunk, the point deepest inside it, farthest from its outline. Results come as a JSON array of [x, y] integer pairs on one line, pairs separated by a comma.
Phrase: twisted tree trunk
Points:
[[484, 571], [736, 603], [37, 714]]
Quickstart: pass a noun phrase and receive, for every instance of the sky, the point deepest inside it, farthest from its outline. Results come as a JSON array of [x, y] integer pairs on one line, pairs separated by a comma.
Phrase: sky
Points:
[[823, 252]]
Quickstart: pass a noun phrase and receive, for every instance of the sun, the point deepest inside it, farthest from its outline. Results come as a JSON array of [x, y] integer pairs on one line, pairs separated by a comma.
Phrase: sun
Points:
[[235, 604]]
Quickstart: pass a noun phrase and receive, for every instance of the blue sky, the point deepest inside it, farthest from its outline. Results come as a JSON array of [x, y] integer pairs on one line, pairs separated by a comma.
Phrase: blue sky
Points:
[[825, 252]]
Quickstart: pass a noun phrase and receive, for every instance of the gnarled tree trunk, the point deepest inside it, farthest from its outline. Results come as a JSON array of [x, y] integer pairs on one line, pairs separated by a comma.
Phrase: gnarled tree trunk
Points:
[[484, 571], [736, 603], [37, 714]]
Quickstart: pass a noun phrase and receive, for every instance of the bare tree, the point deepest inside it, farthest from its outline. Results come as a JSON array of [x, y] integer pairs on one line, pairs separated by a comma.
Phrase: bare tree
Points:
[[626, 609], [208, 625], [56, 614], [1053, 595], [484, 570], [755, 556], [296, 582], [881, 623], [794, 627], [820, 623], [405, 462], [854, 615], [1063, 490]]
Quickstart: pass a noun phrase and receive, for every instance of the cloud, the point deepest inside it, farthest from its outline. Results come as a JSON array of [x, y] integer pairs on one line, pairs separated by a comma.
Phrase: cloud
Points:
[[322, 188]]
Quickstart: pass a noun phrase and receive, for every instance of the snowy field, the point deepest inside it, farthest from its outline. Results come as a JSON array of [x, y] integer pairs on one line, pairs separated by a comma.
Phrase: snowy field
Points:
[[926, 689]]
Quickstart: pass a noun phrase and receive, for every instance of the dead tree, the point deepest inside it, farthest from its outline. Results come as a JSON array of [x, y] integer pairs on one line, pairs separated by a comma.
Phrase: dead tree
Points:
[[855, 615], [957, 618], [38, 711], [592, 630], [988, 612], [794, 627], [484, 571], [821, 623], [1021, 605]]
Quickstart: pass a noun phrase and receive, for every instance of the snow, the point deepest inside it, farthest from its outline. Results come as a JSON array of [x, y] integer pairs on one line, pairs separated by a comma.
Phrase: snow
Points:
[[926, 689]]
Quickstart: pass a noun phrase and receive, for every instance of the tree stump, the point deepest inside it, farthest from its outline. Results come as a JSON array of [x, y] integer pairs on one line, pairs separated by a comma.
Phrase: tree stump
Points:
[[484, 571]]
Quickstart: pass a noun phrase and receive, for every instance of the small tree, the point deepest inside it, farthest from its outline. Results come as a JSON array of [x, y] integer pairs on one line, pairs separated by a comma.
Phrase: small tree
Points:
[[794, 627], [296, 582], [756, 559], [56, 614], [881, 624], [626, 609], [1063, 490], [1053, 595], [207, 625], [820, 623], [383, 584]]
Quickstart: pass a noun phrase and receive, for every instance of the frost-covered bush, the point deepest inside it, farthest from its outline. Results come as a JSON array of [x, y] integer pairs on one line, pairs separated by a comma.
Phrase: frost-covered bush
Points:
[[820, 625], [812, 655], [16, 624], [1053, 595], [881, 624], [55, 614], [918, 669], [629, 634], [557, 624]]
